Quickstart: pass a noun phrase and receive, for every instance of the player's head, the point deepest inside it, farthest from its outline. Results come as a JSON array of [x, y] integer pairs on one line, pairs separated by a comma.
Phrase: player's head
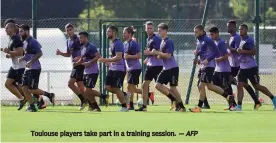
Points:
[[149, 27], [128, 33], [214, 33], [83, 36], [199, 30], [9, 20], [163, 29], [10, 29], [69, 28], [24, 31], [111, 32], [231, 26], [243, 29]]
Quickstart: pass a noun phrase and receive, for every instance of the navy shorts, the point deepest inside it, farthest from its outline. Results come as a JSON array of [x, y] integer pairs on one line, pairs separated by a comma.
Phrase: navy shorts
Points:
[[252, 74], [16, 75], [90, 80], [133, 76], [115, 79], [152, 72], [169, 76], [206, 75], [77, 73], [31, 78]]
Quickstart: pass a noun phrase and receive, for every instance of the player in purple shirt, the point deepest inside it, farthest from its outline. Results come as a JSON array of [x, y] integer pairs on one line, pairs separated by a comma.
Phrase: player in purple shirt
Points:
[[117, 68], [207, 51], [33, 68], [234, 43], [132, 55], [89, 58], [154, 65], [74, 50], [170, 72], [249, 69], [223, 68]]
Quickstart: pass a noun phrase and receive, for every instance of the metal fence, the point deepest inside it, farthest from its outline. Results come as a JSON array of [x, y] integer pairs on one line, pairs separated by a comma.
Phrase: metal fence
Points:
[[56, 70]]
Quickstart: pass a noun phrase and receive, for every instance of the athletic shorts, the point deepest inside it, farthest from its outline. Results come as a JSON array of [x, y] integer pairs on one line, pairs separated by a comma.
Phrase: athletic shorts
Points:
[[77, 73], [235, 71], [206, 74], [152, 72], [222, 79], [16, 75], [90, 80], [252, 74], [31, 78], [133, 76], [115, 79], [169, 76]]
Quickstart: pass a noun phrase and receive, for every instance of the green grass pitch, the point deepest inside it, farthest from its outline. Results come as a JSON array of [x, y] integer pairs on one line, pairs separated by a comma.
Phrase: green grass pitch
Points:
[[212, 125]]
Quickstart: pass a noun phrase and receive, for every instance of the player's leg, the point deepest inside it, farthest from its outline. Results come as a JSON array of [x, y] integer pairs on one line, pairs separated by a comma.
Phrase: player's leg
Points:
[[174, 73], [33, 86], [133, 81], [9, 84], [205, 102], [75, 74], [20, 73], [242, 82], [27, 83], [90, 81], [255, 81], [163, 79]]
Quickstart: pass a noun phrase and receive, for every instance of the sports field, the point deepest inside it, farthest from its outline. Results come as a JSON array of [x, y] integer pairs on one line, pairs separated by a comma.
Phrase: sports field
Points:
[[212, 125]]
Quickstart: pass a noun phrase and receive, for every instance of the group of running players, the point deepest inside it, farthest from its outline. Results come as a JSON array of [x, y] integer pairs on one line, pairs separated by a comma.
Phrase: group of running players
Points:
[[216, 71]]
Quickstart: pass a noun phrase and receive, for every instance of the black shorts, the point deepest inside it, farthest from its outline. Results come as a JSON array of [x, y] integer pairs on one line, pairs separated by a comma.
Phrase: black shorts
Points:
[[235, 71], [115, 79], [77, 73], [16, 75], [31, 78], [133, 76], [206, 75], [169, 76], [252, 74], [222, 79], [90, 80], [152, 72]]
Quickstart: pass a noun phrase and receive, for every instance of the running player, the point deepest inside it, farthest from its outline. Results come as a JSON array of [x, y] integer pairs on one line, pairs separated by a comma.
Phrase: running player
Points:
[[234, 43], [74, 50], [14, 51], [33, 68], [249, 69], [132, 56], [207, 52], [89, 58], [223, 68], [170, 72], [117, 68], [154, 65]]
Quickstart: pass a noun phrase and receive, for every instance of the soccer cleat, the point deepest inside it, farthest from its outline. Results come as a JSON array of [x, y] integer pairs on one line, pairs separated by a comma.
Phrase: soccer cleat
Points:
[[237, 108], [141, 109], [83, 104], [177, 107], [52, 98], [195, 109], [130, 108], [181, 110], [257, 106], [206, 107], [173, 105], [274, 102], [41, 104], [21, 104], [123, 109], [32, 108]]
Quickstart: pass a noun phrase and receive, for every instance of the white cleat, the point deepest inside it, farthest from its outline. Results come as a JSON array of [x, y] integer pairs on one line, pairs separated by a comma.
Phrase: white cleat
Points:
[[123, 109]]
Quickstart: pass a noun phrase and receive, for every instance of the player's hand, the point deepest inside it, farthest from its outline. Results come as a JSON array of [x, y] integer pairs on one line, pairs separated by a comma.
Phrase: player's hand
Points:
[[217, 59], [6, 50], [29, 64], [107, 64], [58, 52], [146, 51], [126, 56], [8, 56], [239, 50], [76, 64], [195, 52], [155, 52], [158, 56], [87, 64], [205, 62], [102, 60], [145, 61], [20, 60]]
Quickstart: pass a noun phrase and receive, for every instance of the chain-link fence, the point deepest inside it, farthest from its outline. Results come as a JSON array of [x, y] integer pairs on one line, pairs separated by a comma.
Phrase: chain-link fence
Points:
[[56, 69]]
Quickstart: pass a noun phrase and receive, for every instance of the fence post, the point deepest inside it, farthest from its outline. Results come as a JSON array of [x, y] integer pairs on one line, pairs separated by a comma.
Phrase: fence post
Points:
[[203, 22], [34, 18]]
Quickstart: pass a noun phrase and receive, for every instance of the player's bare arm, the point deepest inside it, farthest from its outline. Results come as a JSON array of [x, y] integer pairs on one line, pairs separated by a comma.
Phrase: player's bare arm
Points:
[[164, 55], [116, 58], [222, 58], [16, 52], [67, 54], [94, 60], [247, 52]]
